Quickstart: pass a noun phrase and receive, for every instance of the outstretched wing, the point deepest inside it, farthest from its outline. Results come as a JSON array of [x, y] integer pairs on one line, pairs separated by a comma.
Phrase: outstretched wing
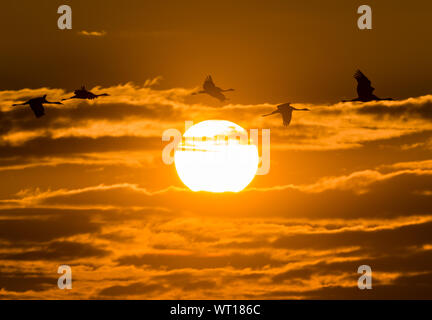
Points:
[[286, 116], [208, 83], [38, 109], [286, 112], [364, 87], [219, 95]]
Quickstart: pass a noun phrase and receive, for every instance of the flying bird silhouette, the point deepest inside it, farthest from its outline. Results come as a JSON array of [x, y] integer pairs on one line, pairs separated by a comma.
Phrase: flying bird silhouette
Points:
[[364, 89], [83, 93], [210, 88], [286, 111], [36, 105]]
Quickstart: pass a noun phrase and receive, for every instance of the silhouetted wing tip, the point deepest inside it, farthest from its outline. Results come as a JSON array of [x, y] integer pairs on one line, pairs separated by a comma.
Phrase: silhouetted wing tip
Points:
[[360, 76], [208, 83], [209, 79]]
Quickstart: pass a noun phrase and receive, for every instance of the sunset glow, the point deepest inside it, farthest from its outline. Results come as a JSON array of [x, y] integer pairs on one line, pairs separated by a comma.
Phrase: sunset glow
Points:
[[217, 150]]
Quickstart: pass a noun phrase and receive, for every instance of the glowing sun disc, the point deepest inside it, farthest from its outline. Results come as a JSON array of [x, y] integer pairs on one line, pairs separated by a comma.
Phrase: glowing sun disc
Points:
[[216, 156]]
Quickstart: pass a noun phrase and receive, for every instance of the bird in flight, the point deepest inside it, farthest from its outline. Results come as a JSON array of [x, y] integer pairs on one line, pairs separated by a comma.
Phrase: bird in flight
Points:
[[36, 105], [364, 89], [286, 111], [210, 89], [83, 93]]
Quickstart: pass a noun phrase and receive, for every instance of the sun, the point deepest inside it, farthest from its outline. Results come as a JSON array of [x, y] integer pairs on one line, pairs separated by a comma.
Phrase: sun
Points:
[[216, 156]]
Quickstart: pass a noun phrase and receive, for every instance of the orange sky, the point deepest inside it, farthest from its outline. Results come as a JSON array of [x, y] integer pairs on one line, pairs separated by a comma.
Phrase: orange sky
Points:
[[349, 184], [271, 51]]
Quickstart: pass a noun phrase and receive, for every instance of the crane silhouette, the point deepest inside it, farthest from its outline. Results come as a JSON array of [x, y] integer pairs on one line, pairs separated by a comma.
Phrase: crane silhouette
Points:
[[36, 104], [210, 88], [364, 89], [286, 111], [83, 93]]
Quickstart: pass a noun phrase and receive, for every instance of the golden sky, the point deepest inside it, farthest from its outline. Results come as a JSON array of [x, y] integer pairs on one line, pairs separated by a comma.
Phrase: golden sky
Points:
[[349, 184]]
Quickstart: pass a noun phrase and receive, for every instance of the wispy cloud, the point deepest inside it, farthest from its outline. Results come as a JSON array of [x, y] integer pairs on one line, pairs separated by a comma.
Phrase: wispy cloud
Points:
[[153, 82], [92, 33], [366, 185], [132, 109]]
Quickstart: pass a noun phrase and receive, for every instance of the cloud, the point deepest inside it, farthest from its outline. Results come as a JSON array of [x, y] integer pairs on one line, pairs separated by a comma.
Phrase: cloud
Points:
[[182, 261], [153, 82], [349, 184], [92, 33], [410, 108], [339, 126], [283, 257], [373, 192], [405, 287], [65, 147], [178, 281], [423, 164], [133, 289], [58, 250], [41, 230], [358, 181], [22, 282], [371, 241]]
